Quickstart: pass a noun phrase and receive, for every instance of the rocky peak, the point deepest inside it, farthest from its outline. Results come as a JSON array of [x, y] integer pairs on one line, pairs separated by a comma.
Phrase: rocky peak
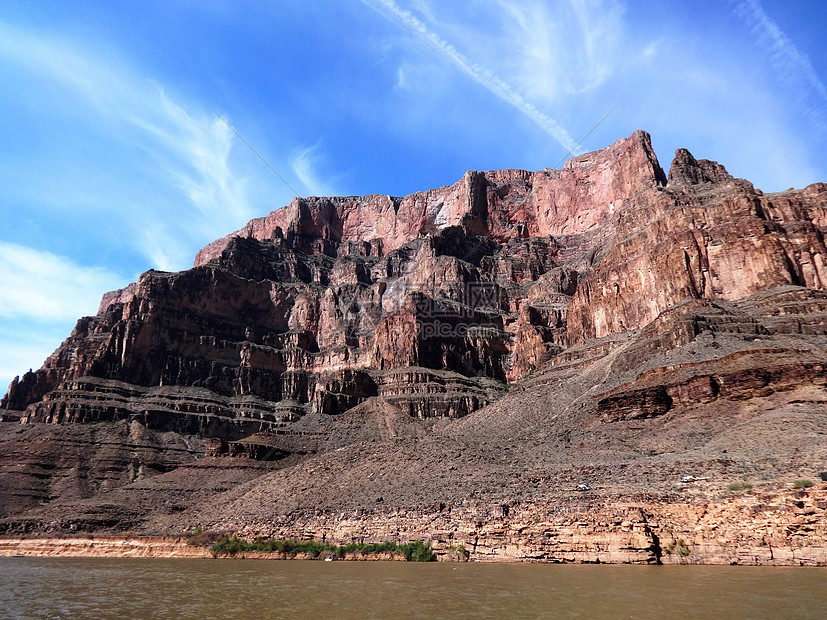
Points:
[[317, 306], [501, 204], [686, 170]]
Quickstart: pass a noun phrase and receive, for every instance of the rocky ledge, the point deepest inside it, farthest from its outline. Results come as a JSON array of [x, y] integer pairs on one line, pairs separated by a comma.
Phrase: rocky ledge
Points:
[[501, 339], [762, 528], [769, 528]]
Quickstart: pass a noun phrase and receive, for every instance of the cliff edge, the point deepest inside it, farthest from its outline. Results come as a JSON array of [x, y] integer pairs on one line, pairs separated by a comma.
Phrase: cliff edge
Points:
[[496, 342]]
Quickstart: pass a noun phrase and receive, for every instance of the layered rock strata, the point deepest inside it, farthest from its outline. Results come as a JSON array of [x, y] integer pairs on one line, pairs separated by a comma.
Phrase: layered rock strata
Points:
[[758, 529], [303, 307], [492, 276], [770, 528], [517, 330]]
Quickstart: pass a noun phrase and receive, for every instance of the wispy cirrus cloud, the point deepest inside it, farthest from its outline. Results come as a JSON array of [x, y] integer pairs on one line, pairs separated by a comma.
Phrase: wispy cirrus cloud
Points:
[[305, 164], [793, 66], [47, 287], [22, 349], [110, 166], [43, 294], [559, 49], [175, 158], [480, 74]]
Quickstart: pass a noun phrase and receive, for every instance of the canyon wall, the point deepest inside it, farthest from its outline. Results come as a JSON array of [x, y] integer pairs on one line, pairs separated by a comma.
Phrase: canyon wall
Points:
[[604, 319], [491, 277], [298, 309]]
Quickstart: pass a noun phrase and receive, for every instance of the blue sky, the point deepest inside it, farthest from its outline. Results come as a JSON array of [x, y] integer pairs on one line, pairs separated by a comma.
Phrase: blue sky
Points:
[[112, 161]]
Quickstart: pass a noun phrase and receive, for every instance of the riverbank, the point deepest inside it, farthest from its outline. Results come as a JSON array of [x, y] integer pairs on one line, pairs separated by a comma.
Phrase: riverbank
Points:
[[102, 547], [766, 526], [787, 527]]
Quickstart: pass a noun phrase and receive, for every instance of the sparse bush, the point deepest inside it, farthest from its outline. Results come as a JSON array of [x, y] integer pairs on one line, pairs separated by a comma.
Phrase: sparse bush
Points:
[[678, 547], [802, 484], [739, 486], [457, 552], [416, 551]]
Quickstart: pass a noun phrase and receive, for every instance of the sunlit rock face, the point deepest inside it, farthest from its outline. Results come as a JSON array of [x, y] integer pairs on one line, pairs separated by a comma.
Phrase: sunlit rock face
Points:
[[437, 300]]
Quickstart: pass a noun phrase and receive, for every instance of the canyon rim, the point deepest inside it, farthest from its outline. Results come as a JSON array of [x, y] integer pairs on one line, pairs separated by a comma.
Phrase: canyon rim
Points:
[[601, 363]]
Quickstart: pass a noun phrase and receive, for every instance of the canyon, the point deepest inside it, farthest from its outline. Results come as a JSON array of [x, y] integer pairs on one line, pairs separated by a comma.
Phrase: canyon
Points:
[[599, 363]]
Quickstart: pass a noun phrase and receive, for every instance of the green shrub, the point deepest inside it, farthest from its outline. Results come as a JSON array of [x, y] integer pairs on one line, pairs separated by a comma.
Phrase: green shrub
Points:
[[739, 486], [415, 551], [457, 552], [418, 551], [678, 547], [802, 484], [230, 546]]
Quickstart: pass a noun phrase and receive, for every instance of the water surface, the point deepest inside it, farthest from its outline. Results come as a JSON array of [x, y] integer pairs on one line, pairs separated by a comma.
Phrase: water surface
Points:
[[144, 588]]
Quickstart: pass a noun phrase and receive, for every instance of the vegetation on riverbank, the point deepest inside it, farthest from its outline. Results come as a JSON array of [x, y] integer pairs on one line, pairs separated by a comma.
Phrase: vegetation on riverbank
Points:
[[416, 551]]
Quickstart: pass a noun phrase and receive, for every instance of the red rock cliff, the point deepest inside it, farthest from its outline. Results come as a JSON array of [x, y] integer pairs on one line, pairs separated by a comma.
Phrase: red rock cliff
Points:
[[428, 299], [502, 204]]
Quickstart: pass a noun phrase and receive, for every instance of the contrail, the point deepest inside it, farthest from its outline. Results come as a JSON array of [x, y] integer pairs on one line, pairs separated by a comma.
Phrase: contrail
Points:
[[785, 50], [591, 131], [481, 75], [249, 146]]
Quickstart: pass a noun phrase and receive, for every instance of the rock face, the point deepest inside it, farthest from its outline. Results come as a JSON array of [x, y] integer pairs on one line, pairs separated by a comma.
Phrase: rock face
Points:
[[309, 308], [502, 205], [525, 328], [775, 528]]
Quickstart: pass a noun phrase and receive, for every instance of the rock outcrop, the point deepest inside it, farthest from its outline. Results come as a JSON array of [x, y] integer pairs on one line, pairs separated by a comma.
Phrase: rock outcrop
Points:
[[503, 336], [304, 307]]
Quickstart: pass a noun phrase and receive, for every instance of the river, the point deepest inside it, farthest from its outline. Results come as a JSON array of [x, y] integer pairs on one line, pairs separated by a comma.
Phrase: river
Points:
[[144, 588]]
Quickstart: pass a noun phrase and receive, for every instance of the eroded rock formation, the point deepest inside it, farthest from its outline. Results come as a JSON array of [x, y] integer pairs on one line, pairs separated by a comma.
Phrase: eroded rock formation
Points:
[[536, 328], [489, 277], [304, 307]]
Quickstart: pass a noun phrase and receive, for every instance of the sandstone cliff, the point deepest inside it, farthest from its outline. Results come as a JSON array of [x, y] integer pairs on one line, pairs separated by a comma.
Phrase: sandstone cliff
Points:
[[300, 307], [505, 337]]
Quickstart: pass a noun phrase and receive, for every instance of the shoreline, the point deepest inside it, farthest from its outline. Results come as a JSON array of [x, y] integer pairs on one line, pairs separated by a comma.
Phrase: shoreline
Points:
[[769, 527], [155, 547], [178, 548], [780, 528]]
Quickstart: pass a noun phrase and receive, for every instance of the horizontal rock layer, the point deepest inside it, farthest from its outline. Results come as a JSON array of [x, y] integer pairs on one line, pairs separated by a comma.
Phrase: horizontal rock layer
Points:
[[766, 529], [511, 336], [493, 276]]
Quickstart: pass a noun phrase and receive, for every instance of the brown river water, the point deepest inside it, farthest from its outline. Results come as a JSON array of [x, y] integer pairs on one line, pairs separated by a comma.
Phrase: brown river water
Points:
[[151, 588]]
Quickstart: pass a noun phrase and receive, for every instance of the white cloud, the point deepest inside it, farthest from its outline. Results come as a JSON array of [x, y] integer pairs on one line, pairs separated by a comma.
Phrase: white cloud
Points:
[[47, 287], [402, 79], [475, 71], [786, 54], [793, 66], [559, 49], [306, 164], [188, 185], [43, 295], [425, 9], [131, 167], [652, 50], [25, 349]]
